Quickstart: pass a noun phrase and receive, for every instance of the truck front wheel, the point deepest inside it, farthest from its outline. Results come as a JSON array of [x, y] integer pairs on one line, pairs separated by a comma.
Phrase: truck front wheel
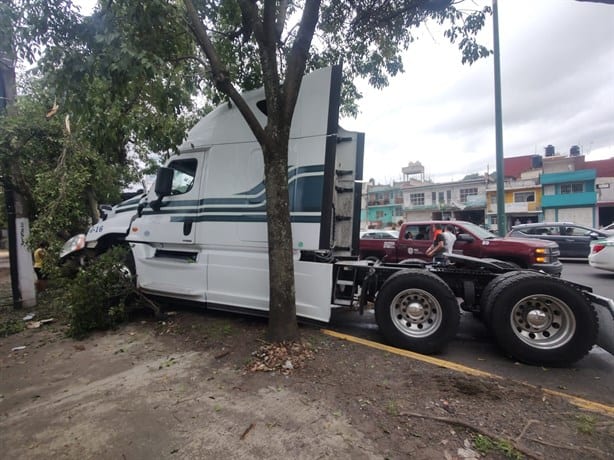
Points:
[[542, 320], [417, 310]]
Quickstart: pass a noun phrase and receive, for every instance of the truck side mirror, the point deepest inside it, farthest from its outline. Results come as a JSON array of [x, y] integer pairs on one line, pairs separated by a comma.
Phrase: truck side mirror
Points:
[[164, 182], [163, 186]]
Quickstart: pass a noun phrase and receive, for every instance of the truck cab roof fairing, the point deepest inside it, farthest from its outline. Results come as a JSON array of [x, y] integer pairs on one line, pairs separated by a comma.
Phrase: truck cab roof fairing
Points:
[[316, 113]]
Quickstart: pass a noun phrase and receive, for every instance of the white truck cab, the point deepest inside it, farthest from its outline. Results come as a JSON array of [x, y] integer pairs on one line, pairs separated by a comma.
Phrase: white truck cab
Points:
[[200, 233]]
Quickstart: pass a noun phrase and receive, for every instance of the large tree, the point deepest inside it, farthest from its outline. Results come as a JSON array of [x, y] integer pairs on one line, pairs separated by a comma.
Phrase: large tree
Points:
[[235, 45], [281, 40]]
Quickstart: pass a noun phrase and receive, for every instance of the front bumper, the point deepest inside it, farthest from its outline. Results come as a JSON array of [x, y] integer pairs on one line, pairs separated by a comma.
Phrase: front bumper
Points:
[[554, 269]]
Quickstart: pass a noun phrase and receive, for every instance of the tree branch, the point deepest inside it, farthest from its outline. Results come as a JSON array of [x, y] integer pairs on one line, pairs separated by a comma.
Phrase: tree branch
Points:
[[477, 429], [280, 21], [220, 74], [298, 56]]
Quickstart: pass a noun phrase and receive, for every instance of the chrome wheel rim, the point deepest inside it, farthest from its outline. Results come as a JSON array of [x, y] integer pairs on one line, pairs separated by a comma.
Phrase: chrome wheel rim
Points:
[[543, 321], [416, 313]]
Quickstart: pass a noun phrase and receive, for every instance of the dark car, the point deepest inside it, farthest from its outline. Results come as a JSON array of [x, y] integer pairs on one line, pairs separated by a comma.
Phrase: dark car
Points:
[[574, 240]]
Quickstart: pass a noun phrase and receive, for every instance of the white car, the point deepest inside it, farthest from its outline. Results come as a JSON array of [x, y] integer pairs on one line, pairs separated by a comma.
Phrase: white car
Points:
[[602, 254], [379, 235]]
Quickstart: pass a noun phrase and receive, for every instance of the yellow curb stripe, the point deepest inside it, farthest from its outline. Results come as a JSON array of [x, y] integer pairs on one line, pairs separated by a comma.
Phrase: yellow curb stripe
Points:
[[575, 400], [413, 355], [583, 403]]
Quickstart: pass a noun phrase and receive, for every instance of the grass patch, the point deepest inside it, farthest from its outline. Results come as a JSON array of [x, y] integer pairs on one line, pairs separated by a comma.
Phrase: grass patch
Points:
[[11, 326], [486, 445], [585, 423], [11, 319], [392, 408]]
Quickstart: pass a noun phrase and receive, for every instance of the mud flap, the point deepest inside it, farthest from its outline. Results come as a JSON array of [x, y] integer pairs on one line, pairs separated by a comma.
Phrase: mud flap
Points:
[[605, 311]]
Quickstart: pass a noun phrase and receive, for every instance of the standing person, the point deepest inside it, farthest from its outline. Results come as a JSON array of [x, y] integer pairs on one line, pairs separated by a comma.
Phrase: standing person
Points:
[[437, 249], [39, 255], [450, 238]]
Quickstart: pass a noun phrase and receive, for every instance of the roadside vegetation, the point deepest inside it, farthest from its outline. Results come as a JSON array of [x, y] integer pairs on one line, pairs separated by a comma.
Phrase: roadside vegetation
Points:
[[113, 93]]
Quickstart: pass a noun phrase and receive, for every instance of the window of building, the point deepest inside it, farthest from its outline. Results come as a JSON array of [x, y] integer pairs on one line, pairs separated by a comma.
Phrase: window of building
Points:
[[492, 198], [448, 196], [433, 197], [379, 214], [441, 197], [572, 187], [523, 197], [416, 199], [465, 192]]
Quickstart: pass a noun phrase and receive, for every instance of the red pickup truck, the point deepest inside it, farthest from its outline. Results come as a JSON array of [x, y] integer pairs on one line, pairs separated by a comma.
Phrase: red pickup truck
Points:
[[471, 240]]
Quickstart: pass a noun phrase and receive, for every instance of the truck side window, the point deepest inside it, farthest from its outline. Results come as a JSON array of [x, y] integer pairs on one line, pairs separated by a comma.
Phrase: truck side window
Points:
[[411, 231], [183, 176]]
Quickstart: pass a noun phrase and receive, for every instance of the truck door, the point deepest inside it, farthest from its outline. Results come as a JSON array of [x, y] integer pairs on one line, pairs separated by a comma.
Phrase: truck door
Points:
[[414, 241], [170, 222]]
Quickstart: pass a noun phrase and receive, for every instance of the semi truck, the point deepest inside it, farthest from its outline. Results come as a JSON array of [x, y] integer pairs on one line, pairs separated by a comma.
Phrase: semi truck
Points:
[[199, 235]]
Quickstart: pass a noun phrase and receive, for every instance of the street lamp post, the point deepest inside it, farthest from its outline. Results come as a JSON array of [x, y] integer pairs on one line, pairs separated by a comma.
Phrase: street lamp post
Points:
[[501, 224]]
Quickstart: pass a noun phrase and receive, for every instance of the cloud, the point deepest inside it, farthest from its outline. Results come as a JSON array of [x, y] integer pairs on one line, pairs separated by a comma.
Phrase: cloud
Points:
[[557, 77]]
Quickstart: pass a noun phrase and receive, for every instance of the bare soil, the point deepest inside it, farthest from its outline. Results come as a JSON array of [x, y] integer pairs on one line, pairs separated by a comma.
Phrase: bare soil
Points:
[[207, 385]]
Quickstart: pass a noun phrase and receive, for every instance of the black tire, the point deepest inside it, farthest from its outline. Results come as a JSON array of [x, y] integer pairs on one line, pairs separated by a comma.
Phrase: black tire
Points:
[[508, 264], [487, 298], [542, 320], [417, 310], [413, 261]]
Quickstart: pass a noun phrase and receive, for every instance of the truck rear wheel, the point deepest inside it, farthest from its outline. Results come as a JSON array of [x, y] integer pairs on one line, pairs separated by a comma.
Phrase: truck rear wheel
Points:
[[542, 320], [417, 310], [487, 299]]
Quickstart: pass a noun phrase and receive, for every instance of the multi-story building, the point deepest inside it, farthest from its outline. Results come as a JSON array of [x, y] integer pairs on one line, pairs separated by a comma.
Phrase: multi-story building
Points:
[[384, 205], [570, 192], [460, 200], [537, 188], [522, 201], [522, 196]]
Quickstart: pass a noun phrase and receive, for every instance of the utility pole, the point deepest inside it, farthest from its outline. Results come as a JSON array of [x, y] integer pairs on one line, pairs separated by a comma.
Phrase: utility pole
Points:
[[22, 272], [501, 221]]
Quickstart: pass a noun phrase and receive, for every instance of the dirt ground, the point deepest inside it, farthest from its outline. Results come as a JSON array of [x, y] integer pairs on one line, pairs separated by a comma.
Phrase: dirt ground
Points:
[[206, 385]]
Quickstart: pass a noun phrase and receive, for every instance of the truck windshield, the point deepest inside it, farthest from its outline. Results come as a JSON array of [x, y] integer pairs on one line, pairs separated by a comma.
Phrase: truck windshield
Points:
[[478, 231]]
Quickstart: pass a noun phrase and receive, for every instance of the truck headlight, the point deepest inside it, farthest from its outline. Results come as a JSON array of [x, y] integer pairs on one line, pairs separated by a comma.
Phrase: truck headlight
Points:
[[76, 243], [542, 255]]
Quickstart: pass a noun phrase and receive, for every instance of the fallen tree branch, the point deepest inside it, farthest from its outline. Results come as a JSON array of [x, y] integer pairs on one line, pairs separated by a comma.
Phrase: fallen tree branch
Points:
[[477, 429], [524, 430], [247, 430], [582, 449]]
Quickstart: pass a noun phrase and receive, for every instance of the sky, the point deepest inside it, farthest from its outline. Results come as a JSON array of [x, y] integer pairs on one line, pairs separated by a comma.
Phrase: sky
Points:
[[557, 80]]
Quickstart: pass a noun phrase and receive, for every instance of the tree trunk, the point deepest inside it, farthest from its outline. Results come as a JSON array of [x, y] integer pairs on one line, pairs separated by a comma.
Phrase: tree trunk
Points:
[[22, 271], [282, 306], [92, 205]]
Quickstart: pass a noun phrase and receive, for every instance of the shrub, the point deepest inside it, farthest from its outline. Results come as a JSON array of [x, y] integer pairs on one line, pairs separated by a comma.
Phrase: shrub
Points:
[[98, 295]]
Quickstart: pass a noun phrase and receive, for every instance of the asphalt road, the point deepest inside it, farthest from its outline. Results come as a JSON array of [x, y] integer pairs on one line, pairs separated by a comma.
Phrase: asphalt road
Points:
[[591, 378]]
